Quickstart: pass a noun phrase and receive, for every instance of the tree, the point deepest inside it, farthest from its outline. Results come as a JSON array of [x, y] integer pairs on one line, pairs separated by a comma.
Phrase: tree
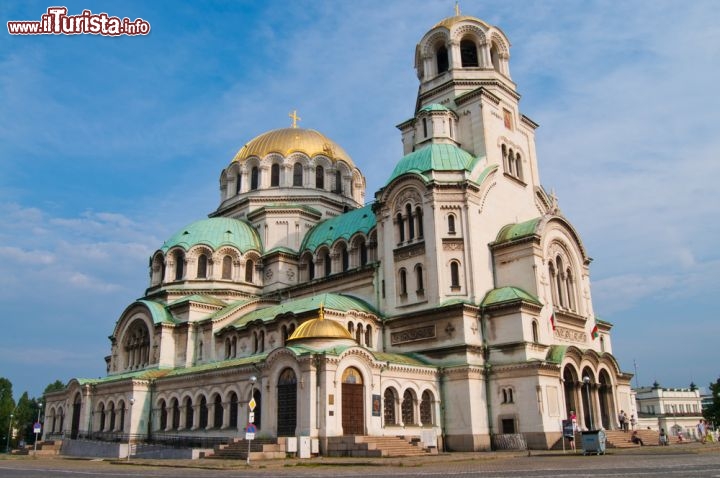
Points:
[[56, 386], [712, 413], [24, 416], [7, 406]]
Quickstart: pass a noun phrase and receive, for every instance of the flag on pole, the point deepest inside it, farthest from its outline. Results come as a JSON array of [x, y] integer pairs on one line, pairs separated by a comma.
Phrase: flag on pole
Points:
[[552, 319], [595, 332]]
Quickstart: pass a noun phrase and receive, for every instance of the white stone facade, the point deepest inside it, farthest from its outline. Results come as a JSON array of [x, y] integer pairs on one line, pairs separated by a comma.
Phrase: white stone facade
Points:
[[464, 291]]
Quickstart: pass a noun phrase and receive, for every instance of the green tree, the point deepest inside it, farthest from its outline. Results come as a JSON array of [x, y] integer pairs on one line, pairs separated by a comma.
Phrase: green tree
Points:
[[712, 413], [56, 386], [24, 416], [7, 406]]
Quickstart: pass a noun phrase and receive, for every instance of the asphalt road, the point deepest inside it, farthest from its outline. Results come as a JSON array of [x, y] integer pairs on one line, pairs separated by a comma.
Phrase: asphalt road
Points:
[[691, 463]]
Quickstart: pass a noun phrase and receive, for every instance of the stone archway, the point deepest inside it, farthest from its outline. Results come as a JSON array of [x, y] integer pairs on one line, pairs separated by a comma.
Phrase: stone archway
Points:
[[570, 380], [353, 402], [607, 405], [75, 426]]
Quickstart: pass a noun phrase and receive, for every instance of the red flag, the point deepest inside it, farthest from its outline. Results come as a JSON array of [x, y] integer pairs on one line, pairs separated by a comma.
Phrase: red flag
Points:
[[552, 319], [595, 333]]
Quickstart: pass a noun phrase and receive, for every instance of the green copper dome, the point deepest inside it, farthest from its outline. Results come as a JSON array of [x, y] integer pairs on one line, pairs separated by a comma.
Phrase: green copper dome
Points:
[[434, 157], [216, 232], [343, 226]]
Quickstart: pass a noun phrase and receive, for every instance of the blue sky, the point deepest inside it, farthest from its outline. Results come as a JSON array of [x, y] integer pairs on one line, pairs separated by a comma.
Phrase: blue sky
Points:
[[109, 145]]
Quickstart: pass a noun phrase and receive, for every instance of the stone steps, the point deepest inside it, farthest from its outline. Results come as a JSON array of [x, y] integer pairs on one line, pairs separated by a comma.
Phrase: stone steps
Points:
[[621, 439], [368, 446]]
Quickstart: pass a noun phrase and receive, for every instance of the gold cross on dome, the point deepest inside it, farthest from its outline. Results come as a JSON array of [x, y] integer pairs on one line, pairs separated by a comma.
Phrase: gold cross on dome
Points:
[[457, 9], [295, 118]]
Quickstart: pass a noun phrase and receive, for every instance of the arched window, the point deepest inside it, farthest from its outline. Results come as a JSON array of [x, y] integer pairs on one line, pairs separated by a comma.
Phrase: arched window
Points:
[[249, 266], [327, 262], [468, 53], [359, 334], [345, 259], [200, 350], [419, 282], [137, 345], [297, 174], [451, 223], [227, 347], [227, 267], [411, 222], [363, 254], [534, 331], [311, 268], [506, 166], [233, 347], [368, 336], [163, 415], [403, 282], [202, 266], [570, 287], [111, 411], [425, 129], [401, 227], [426, 416], [121, 407], [203, 413], [351, 328], [217, 412], [495, 57], [275, 175], [419, 219], [179, 265], [233, 410], [254, 178], [389, 416], [559, 280], [189, 413], [238, 183], [518, 166], [602, 344], [175, 414], [320, 177], [454, 275], [442, 60], [338, 182], [408, 406], [102, 417], [511, 162]]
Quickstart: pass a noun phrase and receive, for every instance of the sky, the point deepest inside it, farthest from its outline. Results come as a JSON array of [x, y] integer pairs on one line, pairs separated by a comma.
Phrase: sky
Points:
[[109, 145]]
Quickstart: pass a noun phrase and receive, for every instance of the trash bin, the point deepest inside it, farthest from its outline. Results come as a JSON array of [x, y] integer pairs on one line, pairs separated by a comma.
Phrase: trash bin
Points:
[[593, 441]]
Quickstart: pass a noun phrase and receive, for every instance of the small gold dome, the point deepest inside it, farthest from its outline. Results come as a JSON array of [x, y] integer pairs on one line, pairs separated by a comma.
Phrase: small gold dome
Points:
[[285, 141], [450, 21], [320, 328]]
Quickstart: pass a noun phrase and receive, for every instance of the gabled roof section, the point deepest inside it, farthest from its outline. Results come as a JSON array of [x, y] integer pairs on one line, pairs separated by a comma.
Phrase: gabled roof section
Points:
[[216, 232], [512, 232], [199, 298], [342, 303], [343, 226], [508, 294], [159, 312], [434, 157]]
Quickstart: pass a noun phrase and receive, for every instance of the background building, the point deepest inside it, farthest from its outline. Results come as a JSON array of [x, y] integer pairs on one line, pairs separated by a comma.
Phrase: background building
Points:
[[456, 307]]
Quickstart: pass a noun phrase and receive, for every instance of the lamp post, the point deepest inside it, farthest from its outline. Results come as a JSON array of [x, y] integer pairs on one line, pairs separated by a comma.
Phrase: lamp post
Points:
[[586, 379], [7, 446], [132, 401], [253, 379], [38, 421]]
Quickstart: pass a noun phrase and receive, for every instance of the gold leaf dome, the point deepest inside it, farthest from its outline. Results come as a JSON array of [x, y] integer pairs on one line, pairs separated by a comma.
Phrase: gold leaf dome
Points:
[[285, 141], [450, 21], [320, 328]]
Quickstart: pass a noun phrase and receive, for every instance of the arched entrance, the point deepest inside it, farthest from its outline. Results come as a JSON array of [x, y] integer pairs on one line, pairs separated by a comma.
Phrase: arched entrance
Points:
[[353, 404], [258, 408], [605, 392], [287, 403], [589, 420], [569, 387], [75, 428]]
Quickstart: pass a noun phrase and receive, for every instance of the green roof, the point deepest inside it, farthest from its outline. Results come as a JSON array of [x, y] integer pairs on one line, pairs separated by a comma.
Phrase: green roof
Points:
[[400, 359], [343, 226], [486, 172], [512, 232], [339, 302], [217, 365], [508, 294], [201, 299], [216, 232], [159, 313], [556, 353], [434, 157], [434, 107]]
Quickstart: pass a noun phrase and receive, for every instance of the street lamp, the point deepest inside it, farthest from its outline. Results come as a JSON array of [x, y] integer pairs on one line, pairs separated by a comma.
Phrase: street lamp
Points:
[[7, 446], [38, 421], [132, 401], [253, 379], [586, 379]]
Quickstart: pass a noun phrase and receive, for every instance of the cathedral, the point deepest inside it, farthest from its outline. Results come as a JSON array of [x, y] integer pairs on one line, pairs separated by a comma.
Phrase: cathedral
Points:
[[453, 307]]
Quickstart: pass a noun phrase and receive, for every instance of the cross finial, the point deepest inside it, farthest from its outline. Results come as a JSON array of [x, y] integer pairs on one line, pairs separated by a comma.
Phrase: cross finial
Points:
[[322, 312], [457, 9], [295, 118]]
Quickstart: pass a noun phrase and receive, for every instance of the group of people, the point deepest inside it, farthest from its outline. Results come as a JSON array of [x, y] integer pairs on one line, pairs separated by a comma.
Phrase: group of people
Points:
[[626, 423]]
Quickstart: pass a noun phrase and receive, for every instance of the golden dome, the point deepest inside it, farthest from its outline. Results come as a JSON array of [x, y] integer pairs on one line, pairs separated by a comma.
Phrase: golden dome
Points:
[[320, 328], [450, 21], [285, 141]]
